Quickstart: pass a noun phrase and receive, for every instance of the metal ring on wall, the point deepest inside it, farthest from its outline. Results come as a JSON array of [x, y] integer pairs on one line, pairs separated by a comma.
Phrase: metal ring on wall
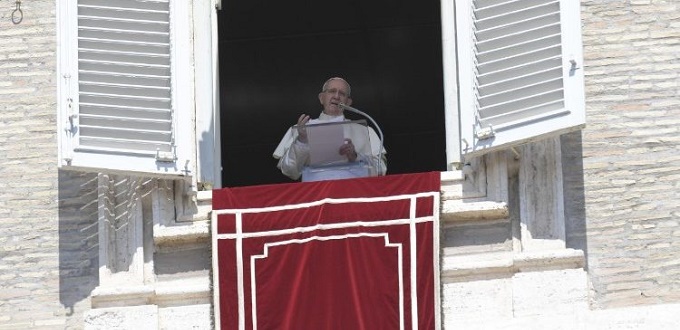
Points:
[[17, 14]]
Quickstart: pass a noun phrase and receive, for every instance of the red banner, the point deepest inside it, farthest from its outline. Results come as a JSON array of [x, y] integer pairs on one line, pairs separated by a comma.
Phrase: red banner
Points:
[[342, 254]]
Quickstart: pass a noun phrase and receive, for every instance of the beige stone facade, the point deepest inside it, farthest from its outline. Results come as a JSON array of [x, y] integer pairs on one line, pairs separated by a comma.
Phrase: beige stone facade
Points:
[[630, 152], [616, 264]]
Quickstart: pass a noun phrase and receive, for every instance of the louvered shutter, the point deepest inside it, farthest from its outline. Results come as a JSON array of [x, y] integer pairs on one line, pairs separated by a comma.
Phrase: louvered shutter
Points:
[[520, 71], [124, 84]]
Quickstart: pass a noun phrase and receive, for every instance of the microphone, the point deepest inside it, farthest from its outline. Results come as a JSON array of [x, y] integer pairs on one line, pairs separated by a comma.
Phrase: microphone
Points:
[[361, 113]]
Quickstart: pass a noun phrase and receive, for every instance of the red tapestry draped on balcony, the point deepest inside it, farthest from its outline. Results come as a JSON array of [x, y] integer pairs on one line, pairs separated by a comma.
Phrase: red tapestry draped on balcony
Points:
[[343, 254]]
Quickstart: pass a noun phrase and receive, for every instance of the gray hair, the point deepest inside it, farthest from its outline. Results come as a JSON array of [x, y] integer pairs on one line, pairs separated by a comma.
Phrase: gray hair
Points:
[[325, 85]]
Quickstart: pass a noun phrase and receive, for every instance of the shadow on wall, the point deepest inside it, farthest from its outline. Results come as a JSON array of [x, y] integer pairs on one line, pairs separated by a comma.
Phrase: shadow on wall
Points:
[[574, 192], [78, 239]]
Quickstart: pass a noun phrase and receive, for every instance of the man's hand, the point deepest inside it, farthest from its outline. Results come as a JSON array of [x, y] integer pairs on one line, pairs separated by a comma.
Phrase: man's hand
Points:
[[347, 150], [302, 132]]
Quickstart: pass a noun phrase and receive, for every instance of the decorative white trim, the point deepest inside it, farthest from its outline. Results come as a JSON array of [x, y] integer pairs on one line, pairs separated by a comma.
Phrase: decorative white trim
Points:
[[307, 229], [385, 236], [324, 201], [239, 235]]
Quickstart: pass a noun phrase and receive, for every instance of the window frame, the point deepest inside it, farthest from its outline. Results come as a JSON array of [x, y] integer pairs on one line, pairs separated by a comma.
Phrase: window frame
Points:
[[195, 96]]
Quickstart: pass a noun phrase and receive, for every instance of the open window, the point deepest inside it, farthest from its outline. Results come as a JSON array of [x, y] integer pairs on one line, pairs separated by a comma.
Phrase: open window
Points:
[[137, 80], [275, 56]]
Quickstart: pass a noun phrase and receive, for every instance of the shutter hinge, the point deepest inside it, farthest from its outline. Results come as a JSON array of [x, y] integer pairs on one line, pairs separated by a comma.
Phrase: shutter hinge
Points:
[[485, 133], [72, 115], [70, 111], [166, 156]]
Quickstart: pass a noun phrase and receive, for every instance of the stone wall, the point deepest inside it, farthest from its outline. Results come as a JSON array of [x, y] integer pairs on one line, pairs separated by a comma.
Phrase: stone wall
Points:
[[48, 233], [625, 189]]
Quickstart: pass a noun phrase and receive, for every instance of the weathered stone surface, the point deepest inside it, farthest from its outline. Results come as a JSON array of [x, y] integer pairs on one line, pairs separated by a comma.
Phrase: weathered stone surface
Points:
[[131, 317]]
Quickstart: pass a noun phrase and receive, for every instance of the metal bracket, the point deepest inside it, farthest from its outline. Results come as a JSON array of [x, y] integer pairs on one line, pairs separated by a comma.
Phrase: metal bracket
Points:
[[514, 151], [166, 156], [574, 65], [485, 133]]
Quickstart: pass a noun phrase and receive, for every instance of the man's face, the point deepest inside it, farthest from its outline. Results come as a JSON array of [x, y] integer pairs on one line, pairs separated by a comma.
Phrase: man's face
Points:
[[336, 92]]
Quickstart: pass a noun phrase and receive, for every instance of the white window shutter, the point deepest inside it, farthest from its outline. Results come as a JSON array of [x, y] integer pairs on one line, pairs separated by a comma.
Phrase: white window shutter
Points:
[[520, 71], [126, 97]]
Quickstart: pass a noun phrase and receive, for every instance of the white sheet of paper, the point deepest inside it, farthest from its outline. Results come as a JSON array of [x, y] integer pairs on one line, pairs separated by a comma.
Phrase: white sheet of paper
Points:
[[324, 144]]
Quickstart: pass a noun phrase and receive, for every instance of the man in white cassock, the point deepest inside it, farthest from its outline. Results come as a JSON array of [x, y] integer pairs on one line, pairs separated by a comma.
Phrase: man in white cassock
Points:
[[293, 152]]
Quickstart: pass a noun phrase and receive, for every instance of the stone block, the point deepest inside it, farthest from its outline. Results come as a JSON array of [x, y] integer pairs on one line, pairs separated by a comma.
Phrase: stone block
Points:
[[550, 292], [134, 317], [476, 301], [196, 317]]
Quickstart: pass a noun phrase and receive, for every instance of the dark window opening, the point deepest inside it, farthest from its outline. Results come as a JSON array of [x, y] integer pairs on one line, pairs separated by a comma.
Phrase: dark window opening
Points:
[[275, 55]]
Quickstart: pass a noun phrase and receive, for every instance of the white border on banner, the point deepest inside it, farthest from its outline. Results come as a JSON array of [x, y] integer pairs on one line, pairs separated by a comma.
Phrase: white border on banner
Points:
[[411, 221]]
